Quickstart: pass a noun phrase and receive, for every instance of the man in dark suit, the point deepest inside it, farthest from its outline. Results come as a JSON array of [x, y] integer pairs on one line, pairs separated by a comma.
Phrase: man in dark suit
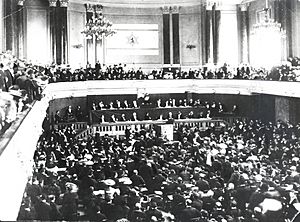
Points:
[[123, 118], [113, 118], [135, 104], [117, 104], [69, 115], [125, 104], [134, 117]]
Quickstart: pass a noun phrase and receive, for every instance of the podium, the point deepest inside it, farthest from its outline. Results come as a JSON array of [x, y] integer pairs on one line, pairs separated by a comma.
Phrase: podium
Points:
[[165, 130]]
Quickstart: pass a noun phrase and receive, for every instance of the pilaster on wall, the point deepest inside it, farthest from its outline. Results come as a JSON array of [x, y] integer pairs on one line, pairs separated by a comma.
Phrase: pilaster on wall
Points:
[[13, 29], [296, 28], [37, 31], [282, 109], [220, 32], [2, 34], [243, 32], [190, 34], [171, 35], [77, 43], [59, 30]]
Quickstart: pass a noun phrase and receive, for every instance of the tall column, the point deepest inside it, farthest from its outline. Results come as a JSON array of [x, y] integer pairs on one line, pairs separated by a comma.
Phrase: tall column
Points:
[[208, 33], [171, 35], [9, 24], [175, 35], [59, 30], [166, 35], [89, 41], [63, 32], [52, 13], [99, 42], [20, 29], [216, 18], [289, 20], [244, 33], [103, 40], [203, 34], [13, 25], [2, 36]]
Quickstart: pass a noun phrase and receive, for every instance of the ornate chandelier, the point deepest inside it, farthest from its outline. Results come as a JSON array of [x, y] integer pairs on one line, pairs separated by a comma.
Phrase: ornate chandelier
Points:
[[267, 40], [99, 27], [265, 21]]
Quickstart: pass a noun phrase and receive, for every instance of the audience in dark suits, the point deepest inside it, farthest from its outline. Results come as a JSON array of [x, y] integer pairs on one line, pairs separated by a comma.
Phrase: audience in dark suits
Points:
[[248, 172]]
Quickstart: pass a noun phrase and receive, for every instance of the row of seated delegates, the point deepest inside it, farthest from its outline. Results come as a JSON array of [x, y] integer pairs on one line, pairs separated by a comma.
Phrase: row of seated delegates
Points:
[[122, 72], [170, 116], [70, 115], [115, 72], [117, 104], [247, 173]]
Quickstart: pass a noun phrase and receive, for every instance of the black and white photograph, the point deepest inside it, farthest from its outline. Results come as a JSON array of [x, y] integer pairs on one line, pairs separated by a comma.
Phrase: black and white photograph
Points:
[[150, 110]]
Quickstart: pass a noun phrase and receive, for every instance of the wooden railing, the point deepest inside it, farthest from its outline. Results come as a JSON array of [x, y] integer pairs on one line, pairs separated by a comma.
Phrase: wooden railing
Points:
[[118, 128], [230, 120], [78, 126], [85, 133], [201, 124]]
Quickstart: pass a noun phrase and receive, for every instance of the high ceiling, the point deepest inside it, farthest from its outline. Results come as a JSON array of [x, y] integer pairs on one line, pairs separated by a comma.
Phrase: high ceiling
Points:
[[155, 3]]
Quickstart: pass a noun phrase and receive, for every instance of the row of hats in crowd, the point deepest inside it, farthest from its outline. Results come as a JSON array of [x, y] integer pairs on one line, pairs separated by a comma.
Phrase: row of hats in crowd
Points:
[[249, 172]]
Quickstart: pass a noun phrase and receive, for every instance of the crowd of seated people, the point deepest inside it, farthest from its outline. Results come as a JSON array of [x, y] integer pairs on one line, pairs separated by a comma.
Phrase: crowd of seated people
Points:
[[283, 73], [170, 116], [208, 110], [121, 72], [246, 173], [158, 103]]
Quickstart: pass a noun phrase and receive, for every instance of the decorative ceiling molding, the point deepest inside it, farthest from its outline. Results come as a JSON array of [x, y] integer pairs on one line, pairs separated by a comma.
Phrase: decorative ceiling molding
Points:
[[157, 3], [154, 3]]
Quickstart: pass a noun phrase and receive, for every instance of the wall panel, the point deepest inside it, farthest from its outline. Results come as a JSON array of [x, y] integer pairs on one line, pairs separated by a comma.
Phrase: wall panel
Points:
[[76, 39], [282, 108], [38, 37], [228, 41], [134, 56], [188, 29]]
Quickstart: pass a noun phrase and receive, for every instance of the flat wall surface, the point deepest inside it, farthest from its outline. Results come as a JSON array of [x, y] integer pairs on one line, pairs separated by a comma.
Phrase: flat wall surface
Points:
[[37, 45]]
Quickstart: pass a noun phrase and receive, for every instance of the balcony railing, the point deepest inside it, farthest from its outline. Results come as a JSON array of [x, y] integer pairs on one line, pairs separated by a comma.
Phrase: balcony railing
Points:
[[118, 128], [77, 126]]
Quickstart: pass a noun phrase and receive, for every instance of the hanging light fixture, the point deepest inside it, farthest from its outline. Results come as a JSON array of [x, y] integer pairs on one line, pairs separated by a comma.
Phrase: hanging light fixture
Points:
[[267, 40], [98, 26], [21, 2], [266, 21]]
